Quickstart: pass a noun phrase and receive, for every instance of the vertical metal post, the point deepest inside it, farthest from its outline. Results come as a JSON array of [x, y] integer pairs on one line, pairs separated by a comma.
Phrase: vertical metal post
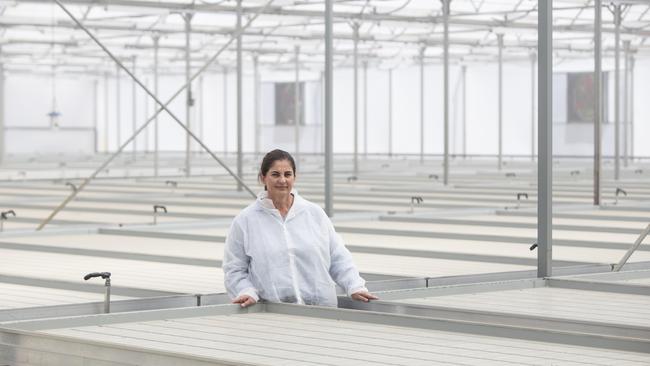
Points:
[[464, 70], [533, 107], [256, 101], [500, 97], [632, 108], [118, 107], [146, 113], [329, 163], [355, 91], [106, 109], [390, 113], [445, 164], [2, 111], [199, 122], [365, 108], [225, 111], [598, 96], [188, 92], [134, 112], [95, 114], [156, 46], [545, 142], [626, 88], [422, 50], [240, 166], [296, 102], [617, 69]]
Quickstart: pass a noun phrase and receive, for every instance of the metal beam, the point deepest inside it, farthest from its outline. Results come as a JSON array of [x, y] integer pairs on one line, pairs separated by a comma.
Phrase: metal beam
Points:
[[464, 72], [329, 162], [365, 109], [390, 113], [445, 164], [118, 106], [355, 91], [256, 101], [500, 101], [626, 88], [106, 115], [240, 97], [598, 97], [296, 102], [533, 106], [134, 112], [632, 108], [156, 43], [225, 111], [187, 17], [422, 50], [617, 70], [95, 114], [2, 111], [545, 142]]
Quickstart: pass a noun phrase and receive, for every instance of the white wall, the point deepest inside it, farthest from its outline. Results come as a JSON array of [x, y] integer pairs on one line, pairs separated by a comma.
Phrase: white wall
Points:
[[28, 102]]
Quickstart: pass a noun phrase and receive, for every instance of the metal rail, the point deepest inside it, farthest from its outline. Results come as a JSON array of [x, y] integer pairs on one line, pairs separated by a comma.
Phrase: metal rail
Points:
[[631, 251]]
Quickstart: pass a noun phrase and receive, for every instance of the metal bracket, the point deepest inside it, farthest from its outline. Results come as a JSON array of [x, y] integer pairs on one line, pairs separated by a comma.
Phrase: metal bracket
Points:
[[107, 283]]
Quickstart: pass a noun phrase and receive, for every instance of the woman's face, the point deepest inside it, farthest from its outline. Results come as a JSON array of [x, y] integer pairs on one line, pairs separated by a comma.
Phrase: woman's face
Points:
[[279, 179]]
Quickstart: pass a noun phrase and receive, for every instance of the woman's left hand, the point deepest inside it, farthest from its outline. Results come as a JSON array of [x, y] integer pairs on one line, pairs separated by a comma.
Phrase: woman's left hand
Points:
[[364, 296]]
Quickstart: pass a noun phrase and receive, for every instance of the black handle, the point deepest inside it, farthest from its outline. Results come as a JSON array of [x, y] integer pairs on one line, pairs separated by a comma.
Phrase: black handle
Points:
[[4, 214], [417, 199], [532, 247], [620, 190], [519, 195], [161, 207], [103, 275]]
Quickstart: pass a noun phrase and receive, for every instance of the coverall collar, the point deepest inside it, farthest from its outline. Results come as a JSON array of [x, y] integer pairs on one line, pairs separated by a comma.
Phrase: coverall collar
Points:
[[266, 204]]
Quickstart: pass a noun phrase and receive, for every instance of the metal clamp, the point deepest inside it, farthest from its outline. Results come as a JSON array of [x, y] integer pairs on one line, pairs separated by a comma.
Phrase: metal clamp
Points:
[[107, 284], [519, 195], [155, 212], [4, 217], [416, 200], [618, 192]]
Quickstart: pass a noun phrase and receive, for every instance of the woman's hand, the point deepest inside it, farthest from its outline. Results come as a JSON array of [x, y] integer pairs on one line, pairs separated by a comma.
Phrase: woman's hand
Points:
[[244, 301], [364, 296]]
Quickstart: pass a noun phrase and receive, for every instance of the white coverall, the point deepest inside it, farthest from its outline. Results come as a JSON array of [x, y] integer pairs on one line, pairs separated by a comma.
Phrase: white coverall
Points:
[[294, 260]]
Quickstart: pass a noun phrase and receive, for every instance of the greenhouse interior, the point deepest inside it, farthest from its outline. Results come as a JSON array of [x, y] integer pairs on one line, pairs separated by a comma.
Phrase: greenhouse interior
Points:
[[336, 182]]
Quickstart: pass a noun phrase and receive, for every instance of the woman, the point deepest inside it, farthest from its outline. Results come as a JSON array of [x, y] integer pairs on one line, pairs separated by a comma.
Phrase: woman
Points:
[[283, 248]]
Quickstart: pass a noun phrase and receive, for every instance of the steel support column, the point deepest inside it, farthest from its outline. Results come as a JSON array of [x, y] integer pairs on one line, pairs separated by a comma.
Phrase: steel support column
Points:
[[355, 99], [632, 108], [106, 109], [390, 113], [2, 111], [445, 164], [626, 88], [95, 114], [118, 107], [188, 93], [296, 102], [598, 99], [464, 72], [225, 111], [256, 101], [329, 162], [617, 70], [500, 100], [134, 112], [156, 46], [240, 61], [545, 142], [533, 106], [199, 108], [422, 50], [365, 108]]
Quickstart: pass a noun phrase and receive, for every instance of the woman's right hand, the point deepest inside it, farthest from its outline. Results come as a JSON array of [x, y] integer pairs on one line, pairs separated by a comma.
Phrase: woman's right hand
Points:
[[244, 301]]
